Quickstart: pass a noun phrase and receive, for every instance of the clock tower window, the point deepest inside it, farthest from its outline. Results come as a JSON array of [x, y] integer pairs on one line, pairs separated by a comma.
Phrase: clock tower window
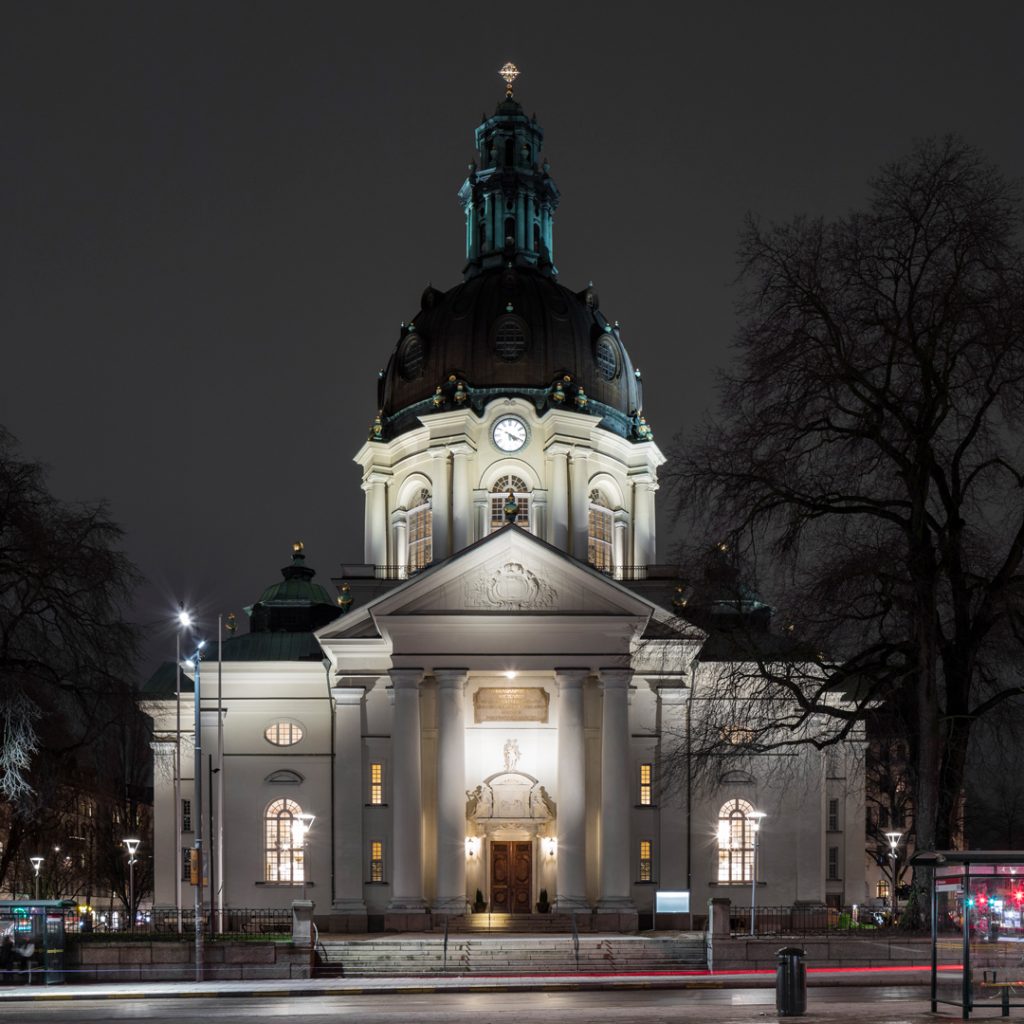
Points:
[[499, 495]]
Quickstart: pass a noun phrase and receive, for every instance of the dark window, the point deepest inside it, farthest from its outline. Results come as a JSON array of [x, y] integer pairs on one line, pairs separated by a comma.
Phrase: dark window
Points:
[[510, 152], [411, 358], [536, 238], [833, 815], [606, 358], [510, 231], [509, 339], [833, 863]]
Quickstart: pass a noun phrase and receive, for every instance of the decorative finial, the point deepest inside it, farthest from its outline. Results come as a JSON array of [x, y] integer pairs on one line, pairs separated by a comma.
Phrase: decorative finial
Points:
[[232, 623], [298, 548], [510, 73]]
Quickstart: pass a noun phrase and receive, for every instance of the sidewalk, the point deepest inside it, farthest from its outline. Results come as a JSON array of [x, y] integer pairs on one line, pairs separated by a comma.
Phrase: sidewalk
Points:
[[816, 978]]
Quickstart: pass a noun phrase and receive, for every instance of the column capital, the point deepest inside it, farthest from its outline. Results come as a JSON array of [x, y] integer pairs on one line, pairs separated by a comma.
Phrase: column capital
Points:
[[375, 476], [347, 695], [571, 678], [451, 678], [462, 449], [673, 695], [405, 678], [558, 448], [439, 451], [615, 678]]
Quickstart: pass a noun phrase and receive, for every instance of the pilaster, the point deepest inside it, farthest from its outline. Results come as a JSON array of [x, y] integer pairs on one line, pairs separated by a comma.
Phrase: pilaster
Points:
[[615, 792], [349, 797], [572, 831], [451, 791]]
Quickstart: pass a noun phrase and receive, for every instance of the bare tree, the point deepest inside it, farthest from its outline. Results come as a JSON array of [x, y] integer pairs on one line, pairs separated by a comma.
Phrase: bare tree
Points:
[[64, 646], [867, 469]]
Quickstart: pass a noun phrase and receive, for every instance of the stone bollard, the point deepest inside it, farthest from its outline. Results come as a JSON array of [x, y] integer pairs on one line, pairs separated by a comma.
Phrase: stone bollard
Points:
[[302, 922]]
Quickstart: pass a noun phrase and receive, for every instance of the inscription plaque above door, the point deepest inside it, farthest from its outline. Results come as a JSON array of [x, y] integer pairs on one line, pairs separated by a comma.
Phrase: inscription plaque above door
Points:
[[510, 704]]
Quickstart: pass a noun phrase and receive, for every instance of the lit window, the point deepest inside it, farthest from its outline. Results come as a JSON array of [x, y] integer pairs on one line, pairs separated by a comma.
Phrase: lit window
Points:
[[376, 783], [599, 533], [646, 771], [284, 839], [735, 842], [376, 861], [283, 734], [420, 534], [499, 495], [882, 890], [645, 860]]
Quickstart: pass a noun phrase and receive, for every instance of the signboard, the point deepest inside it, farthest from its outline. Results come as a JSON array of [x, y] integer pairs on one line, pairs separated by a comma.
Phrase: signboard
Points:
[[672, 902], [510, 704]]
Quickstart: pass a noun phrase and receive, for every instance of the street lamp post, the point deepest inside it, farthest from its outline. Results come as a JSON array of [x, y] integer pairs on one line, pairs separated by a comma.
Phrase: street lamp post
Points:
[[894, 842], [37, 863], [755, 818], [184, 622], [133, 848], [197, 809]]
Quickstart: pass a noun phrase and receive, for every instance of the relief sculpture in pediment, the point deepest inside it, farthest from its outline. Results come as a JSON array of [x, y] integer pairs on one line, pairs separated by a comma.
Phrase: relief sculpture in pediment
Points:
[[510, 588]]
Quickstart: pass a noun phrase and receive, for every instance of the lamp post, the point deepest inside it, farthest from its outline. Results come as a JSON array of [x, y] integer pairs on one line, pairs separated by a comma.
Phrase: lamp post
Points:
[[133, 848], [754, 817], [300, 830], [197, 808], [184, 622], [894, 842], [37, 863]]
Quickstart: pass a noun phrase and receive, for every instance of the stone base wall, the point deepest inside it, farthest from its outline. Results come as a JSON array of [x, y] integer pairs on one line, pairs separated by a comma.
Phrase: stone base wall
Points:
[[822, 951], [175, 961], [341, 924]]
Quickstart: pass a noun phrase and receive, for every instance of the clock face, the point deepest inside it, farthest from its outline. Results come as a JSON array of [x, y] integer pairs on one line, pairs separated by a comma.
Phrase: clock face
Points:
[[509, 434]]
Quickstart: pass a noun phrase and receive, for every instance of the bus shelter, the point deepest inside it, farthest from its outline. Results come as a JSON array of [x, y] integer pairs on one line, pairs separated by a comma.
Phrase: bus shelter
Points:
[[32, 941], [977, 931]]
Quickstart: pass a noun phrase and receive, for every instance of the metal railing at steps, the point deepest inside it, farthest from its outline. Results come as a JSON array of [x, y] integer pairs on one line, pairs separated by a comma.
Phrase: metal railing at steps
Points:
[[813, 920]]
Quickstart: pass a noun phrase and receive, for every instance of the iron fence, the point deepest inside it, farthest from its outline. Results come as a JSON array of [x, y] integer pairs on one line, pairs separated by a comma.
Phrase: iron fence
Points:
[[164, 922], [807, 921]]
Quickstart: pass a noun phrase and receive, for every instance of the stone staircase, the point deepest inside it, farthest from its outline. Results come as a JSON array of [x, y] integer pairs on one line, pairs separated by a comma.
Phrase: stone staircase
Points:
[[536, 954]]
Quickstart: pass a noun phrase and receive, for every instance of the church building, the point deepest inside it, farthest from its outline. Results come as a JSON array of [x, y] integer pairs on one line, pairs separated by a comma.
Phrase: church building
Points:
[[481, 710]]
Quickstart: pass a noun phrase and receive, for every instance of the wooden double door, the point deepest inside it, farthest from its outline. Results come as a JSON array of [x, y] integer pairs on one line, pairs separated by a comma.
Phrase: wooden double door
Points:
[[511, 877]]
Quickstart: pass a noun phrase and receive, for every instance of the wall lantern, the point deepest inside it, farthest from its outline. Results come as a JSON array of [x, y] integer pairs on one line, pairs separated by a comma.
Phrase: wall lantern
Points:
[[472, 846], [550, 845]]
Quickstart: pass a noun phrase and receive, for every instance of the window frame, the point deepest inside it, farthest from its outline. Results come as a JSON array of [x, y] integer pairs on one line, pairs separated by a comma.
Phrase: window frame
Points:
[[419, 534], [376, 787], [645, 863], [276, 852], [600, 548], [496, 503], [645, 791], [378, 876], [735, 828]]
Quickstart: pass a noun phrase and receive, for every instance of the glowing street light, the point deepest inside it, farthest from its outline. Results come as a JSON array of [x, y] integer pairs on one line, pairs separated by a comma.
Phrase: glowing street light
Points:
[[133, 848], [754, 817], [300, 833], [184, 622], [37, 863], [894, 842]]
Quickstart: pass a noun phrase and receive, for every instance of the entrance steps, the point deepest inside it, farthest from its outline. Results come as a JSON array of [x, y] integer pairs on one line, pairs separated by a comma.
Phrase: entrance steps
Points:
[[536, 954], [529, 924]]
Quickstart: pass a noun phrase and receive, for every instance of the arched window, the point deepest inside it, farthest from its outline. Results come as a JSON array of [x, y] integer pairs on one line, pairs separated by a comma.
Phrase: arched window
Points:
[[499, 495], [600, 540], [510, 152], [510, 231], [419, 532], [735, 842], [283, 836]]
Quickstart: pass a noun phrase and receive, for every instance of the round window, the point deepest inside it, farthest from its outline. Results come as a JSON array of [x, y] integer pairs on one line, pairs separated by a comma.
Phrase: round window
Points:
[[510, 339], [607, 358], [410, 357], [283, 733]]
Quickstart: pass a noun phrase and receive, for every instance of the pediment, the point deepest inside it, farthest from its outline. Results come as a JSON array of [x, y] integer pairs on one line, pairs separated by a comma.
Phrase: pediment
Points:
[[511, 573]]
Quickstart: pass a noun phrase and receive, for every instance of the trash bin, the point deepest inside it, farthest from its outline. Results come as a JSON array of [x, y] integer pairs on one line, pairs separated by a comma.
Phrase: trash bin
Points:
[[791, 982]]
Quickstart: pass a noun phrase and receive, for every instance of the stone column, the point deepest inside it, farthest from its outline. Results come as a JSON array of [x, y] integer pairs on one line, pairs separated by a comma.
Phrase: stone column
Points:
[[481, 510], [451, 791], [643, 519], [375, 534], [166, 852], [558, 508], [579, 492], [539, 512], [400, 541], [673, 859], [440, 504], [572, 796], [462, 524], [615, 791], [407, 800], [349, 797], [620, 549]]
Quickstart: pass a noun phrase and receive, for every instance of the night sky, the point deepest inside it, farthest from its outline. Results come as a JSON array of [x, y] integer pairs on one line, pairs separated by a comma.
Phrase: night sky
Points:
[[216, 215]]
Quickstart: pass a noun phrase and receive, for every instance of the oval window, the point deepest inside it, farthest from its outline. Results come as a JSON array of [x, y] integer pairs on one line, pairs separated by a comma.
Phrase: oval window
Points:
[[283, 734], [510, 338], [410, 359]]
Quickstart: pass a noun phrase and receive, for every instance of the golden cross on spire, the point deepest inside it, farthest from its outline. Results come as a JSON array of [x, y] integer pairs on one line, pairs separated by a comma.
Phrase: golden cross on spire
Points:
[[510, 73]]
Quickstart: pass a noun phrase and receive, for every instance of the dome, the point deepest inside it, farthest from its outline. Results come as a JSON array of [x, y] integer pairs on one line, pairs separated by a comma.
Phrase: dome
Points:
[[510, 330], [295, 603]]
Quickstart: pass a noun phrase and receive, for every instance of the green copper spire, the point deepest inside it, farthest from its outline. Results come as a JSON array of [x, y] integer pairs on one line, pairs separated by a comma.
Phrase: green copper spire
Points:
[[509, 198]]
